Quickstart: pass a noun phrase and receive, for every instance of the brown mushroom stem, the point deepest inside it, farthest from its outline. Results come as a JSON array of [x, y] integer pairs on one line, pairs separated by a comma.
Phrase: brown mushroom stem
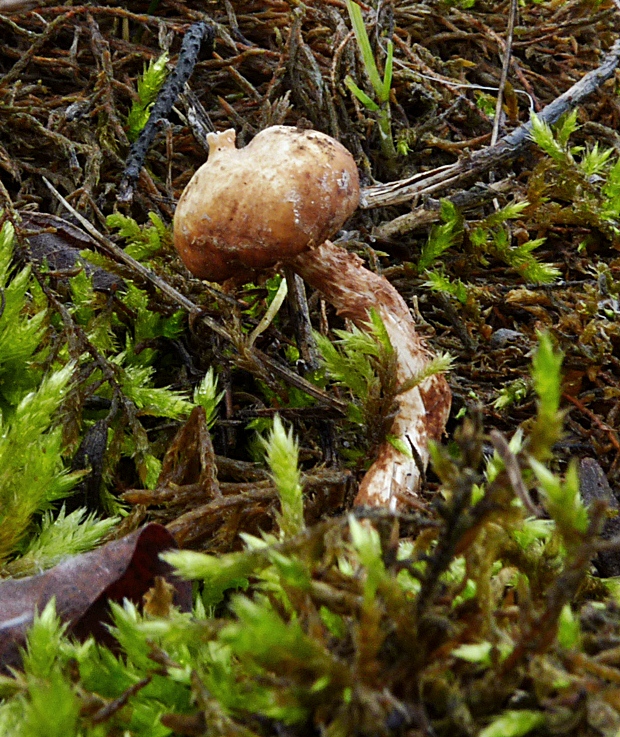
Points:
[[423, 410]]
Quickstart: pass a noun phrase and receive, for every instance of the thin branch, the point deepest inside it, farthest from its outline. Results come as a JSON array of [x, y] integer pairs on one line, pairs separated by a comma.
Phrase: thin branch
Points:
[[504, 76], [507, 148]]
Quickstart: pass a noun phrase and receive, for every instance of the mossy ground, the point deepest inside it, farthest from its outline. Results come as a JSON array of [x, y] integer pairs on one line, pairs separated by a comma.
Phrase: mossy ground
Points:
[[462, 615]]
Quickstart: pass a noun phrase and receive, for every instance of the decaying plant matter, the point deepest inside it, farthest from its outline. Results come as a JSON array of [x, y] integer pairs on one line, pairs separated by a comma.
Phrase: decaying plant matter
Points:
[[132, 392]]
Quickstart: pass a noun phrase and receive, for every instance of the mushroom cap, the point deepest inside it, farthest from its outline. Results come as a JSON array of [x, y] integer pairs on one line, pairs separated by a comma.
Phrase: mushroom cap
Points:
[[247, 209]]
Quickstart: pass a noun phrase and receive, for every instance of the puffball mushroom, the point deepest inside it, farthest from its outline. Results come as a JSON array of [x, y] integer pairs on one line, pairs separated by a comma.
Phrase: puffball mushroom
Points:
[[278, 201]]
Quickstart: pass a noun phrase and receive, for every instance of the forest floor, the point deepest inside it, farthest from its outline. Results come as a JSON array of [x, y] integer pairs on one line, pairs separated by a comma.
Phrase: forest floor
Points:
[[531, 246]]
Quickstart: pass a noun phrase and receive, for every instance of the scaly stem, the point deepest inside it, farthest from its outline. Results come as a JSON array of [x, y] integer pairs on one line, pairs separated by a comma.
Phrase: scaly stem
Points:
[[423, 412]]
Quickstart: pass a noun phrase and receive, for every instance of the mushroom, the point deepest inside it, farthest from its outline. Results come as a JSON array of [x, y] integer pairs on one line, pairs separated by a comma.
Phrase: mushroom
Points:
[[277, 202]]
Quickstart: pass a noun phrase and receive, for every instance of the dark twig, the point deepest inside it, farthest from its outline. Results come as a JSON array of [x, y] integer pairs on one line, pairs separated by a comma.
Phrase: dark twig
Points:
[[168, 95]]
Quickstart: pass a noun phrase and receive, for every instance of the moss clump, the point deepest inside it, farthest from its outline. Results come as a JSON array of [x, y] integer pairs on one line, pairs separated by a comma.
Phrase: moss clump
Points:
[[474, 615]]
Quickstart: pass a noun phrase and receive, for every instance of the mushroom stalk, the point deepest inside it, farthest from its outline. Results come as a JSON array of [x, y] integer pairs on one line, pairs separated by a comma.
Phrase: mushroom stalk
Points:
[[277, 202], [423, 410]]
